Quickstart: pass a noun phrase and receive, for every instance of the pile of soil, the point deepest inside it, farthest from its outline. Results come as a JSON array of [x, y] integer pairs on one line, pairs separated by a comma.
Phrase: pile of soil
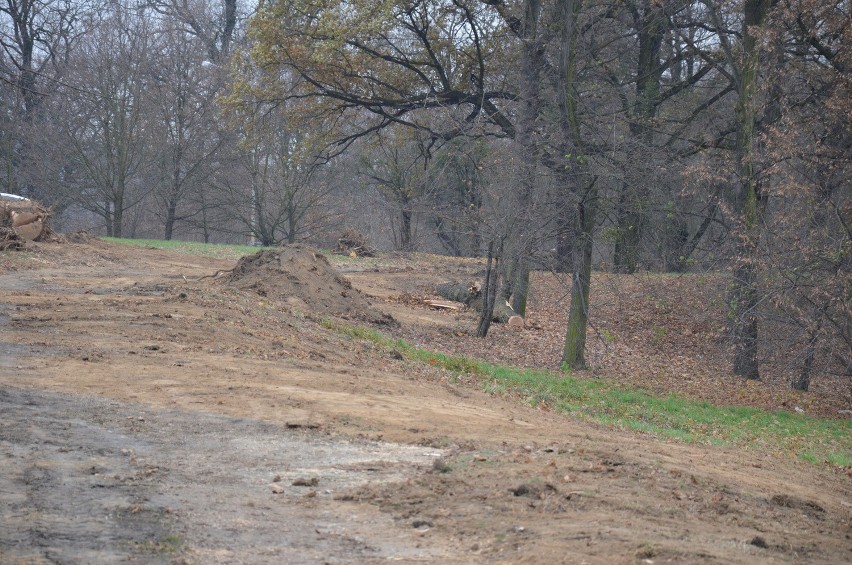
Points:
[[303, 278], [81, 236]]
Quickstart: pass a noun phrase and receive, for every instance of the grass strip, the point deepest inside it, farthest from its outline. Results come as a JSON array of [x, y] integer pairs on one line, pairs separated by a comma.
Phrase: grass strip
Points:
[[815, 440], [217, 250], [222, 250]]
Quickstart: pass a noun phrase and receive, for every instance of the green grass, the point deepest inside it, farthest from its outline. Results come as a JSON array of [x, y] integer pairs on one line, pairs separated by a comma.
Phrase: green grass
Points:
[[170, 544], [815, 440], [220, 251]]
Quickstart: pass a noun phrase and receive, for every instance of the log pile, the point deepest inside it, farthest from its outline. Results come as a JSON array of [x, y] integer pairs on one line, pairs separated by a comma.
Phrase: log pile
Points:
[[9, 240], [354, 244]]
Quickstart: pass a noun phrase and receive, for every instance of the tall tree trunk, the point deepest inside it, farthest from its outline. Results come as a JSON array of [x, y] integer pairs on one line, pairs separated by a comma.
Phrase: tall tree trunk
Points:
[[230, 13], [292, 221], [650, 24], [802, 381], [564, 232], [405, 239], [743, 300], [117, 214], [171, 204], [23, 17], [629, 220], [205, 226], [108, 218], [23, 21], [257, 228], [574, 351], [743, 306], [472, 216], [171, 212], [530, 94], [583, 200], [521, 286], [489, 291]]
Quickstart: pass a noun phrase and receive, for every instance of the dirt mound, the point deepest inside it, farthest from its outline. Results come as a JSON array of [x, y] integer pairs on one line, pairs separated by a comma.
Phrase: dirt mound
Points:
[[81, 236], [303, 278]]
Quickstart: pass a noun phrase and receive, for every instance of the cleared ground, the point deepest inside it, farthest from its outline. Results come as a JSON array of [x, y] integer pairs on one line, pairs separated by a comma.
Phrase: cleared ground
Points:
[[150, 415]]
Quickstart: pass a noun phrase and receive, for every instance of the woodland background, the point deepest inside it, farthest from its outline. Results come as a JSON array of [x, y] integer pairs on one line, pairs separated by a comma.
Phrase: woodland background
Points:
[[571, 136]]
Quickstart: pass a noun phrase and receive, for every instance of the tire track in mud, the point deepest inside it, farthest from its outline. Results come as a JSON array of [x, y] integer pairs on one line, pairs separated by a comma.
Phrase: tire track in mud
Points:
[[83, 479], [68, 495]]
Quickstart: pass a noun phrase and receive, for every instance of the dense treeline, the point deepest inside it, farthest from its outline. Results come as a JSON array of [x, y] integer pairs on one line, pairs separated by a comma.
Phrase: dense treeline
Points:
[[663, 135]]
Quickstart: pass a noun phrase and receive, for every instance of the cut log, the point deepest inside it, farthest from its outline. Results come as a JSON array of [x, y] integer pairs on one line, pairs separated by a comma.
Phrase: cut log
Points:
[[26, 217], [502, 312], [30, 231], [442, 305]]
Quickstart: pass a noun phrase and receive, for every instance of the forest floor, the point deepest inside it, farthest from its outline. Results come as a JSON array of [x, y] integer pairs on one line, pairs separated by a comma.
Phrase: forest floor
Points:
[[154, 412]]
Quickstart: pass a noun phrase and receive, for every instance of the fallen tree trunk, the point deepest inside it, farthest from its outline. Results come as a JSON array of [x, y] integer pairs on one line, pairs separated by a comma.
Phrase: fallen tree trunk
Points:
[[458, 292], [471, 296]]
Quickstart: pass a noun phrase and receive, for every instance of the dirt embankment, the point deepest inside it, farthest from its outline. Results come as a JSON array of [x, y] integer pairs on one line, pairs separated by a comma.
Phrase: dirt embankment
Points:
[[152, 413]]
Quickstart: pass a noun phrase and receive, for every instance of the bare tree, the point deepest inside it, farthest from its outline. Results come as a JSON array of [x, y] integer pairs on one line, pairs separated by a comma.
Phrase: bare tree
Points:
[[106, 109], [279, 193], [36, 42], [187, 137], [397, 164], [213, 28], [458, 176], [806, 261], [36, 37]]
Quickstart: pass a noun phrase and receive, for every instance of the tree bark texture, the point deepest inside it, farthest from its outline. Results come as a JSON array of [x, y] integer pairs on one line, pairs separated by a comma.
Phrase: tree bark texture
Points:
[[650, 24], [574, 351], [744, 297], [802, 381], [532, 55], [580, 201], [489, 291]]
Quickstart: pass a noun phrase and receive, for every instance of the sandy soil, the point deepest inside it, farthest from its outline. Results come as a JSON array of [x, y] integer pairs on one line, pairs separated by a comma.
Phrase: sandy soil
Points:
[[150, 415]]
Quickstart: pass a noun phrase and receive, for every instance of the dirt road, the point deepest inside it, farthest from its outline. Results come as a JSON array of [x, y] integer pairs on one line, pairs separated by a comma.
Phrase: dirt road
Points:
[[152, 416], [88, 480]]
